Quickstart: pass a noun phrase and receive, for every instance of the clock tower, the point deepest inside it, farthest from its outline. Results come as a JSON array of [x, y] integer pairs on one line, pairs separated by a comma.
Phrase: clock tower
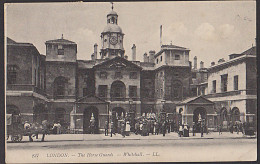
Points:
[[112, 38]]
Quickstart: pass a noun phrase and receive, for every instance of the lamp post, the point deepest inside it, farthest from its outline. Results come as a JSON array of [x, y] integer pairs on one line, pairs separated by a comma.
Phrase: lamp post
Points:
[[163, 113], [132, 115]]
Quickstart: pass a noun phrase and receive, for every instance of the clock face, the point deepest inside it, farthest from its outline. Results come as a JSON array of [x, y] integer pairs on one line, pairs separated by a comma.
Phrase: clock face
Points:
[[113, 40]]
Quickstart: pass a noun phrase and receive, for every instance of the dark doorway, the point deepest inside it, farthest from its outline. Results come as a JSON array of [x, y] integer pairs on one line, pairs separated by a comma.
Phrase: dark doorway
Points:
[[88, 112], [235, 115], [40, 113], [118, 113], [199, 115]]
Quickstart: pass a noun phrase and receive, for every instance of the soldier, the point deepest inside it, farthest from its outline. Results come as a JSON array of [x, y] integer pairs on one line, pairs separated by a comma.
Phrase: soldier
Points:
[[111, 129], [202, 128], [164, 128], [193, 128], [123, 129], [106, 128]]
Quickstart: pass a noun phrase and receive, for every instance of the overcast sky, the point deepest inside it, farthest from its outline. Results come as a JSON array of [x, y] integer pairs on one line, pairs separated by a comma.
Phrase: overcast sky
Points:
[[211, 30]]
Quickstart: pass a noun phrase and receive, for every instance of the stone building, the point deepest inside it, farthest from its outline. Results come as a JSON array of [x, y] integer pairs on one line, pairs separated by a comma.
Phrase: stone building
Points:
[[60, 88]]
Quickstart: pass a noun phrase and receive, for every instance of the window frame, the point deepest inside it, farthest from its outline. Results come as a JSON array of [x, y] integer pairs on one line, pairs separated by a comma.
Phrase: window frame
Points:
[[177, 57]]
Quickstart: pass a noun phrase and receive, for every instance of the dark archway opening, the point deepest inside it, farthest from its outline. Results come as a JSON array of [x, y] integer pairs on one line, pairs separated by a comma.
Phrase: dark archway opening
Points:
[[40, 113], [118, 113], [199, 115], [90, 126]]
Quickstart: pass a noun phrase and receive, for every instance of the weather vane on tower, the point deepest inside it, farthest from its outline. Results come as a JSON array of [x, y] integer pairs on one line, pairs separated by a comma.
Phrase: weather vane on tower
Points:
[[112, 5]]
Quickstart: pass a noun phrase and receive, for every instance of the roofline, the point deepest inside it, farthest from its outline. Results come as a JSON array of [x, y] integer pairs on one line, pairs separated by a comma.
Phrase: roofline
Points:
[[162, 50], [230, 61], [170, 66]]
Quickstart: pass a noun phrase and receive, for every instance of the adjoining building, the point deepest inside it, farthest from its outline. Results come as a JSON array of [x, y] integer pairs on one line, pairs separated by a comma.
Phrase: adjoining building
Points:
[[59, 88]]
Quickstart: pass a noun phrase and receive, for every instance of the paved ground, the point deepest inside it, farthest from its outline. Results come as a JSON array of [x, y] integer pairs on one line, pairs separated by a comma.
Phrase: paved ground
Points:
[[100, 148]]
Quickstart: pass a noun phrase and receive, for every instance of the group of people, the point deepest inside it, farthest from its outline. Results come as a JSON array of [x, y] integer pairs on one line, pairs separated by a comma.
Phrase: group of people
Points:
[[142, 127], [238, 126], [54, 128]]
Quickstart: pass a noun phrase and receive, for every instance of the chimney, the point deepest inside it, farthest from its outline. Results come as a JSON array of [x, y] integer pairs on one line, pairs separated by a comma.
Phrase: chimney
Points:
[[145, 57], [134, 53], [201, 64], [212, 63], [221, 60], [195, 62], [93, 57], [126, 57], [95, 51], [151, 56]]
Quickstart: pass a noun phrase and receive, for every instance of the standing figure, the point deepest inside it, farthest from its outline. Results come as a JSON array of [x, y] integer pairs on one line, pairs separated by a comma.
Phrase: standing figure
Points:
[[156, 125], [201, 128], [180, 131], [137, 126], [123, 129], [106, 128], [58, 128], [127, 128], [164, 128], [111, 129], [193, 128], [141, 128]]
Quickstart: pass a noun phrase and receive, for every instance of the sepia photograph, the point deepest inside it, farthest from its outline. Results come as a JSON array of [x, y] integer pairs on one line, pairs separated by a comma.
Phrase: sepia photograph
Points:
[[106, 82]]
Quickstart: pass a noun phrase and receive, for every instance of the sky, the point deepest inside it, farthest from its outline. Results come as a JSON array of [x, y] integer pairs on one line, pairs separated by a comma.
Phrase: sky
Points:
[[211, 30]]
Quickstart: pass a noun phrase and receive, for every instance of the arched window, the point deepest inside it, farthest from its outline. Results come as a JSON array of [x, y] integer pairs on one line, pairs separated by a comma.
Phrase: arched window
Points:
[[60, 85], [180, 111], [118, 90], [235, 114], [176, 92], [113, 20], [12, 74], [223, 114]]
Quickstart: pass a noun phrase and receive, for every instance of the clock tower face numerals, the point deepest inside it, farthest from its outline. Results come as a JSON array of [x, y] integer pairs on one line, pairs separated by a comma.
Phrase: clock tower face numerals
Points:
[[113, 40]]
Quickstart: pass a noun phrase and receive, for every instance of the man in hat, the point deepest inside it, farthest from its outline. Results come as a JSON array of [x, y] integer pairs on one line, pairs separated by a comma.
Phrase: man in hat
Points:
[[106, 128]]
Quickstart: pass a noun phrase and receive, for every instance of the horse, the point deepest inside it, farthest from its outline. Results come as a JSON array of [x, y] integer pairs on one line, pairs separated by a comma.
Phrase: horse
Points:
[[36, 129]]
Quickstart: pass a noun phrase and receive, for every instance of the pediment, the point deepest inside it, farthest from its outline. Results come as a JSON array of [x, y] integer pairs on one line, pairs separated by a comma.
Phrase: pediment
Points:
[[117, 63], [197, 100]]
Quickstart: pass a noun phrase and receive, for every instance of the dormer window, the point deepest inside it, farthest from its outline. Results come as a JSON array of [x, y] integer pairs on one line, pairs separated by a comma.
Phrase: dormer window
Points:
[[113, 20], [60, 50]]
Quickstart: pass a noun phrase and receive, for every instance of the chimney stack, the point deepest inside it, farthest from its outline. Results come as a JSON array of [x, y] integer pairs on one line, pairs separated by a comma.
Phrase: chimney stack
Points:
[[95, 51], [212, 63], [134, 53], [195, 62], [221, 60], [151, 56], [146, 57], [93, 57], [201, 64]]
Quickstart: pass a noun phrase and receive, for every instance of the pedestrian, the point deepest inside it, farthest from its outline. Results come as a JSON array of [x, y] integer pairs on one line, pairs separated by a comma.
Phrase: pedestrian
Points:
[[231, 129], [169, 126], [193, 128], [201, 128], [58, 128], [44, 129], [164, 128], [27, 125], [123, 129], [156, 128], [141, 128], [106, 128], [127, 128], [152, 128], [137, 126], [92, 126], [220, 129], [111, 129]]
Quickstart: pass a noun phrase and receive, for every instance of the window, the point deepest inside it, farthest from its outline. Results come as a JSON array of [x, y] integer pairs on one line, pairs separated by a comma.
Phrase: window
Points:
[[193, 75], [157, 61], [177, 57], [103, 75], [202, 91], [161, 93], [60, 50], [161, 74], [133, 75], [102, 90], [118, 75], [224, 82], [161, 58], [60, 84], [11, 74], [214, 86], [236, 82], [85, 92], [132, 91]]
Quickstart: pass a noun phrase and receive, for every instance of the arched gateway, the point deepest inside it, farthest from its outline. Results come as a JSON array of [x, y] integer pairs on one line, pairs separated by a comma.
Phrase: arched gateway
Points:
[[199, 114], [90, 124], [118, 113]]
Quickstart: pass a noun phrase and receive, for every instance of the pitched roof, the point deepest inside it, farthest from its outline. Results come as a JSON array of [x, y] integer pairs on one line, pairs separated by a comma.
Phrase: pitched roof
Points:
[[12, 42], [250, 51], [198, 99], [60, 41]]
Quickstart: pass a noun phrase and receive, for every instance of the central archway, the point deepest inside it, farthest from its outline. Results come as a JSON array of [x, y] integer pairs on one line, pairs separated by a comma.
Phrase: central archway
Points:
[[88, 112], [118, 113], [199, 113]]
